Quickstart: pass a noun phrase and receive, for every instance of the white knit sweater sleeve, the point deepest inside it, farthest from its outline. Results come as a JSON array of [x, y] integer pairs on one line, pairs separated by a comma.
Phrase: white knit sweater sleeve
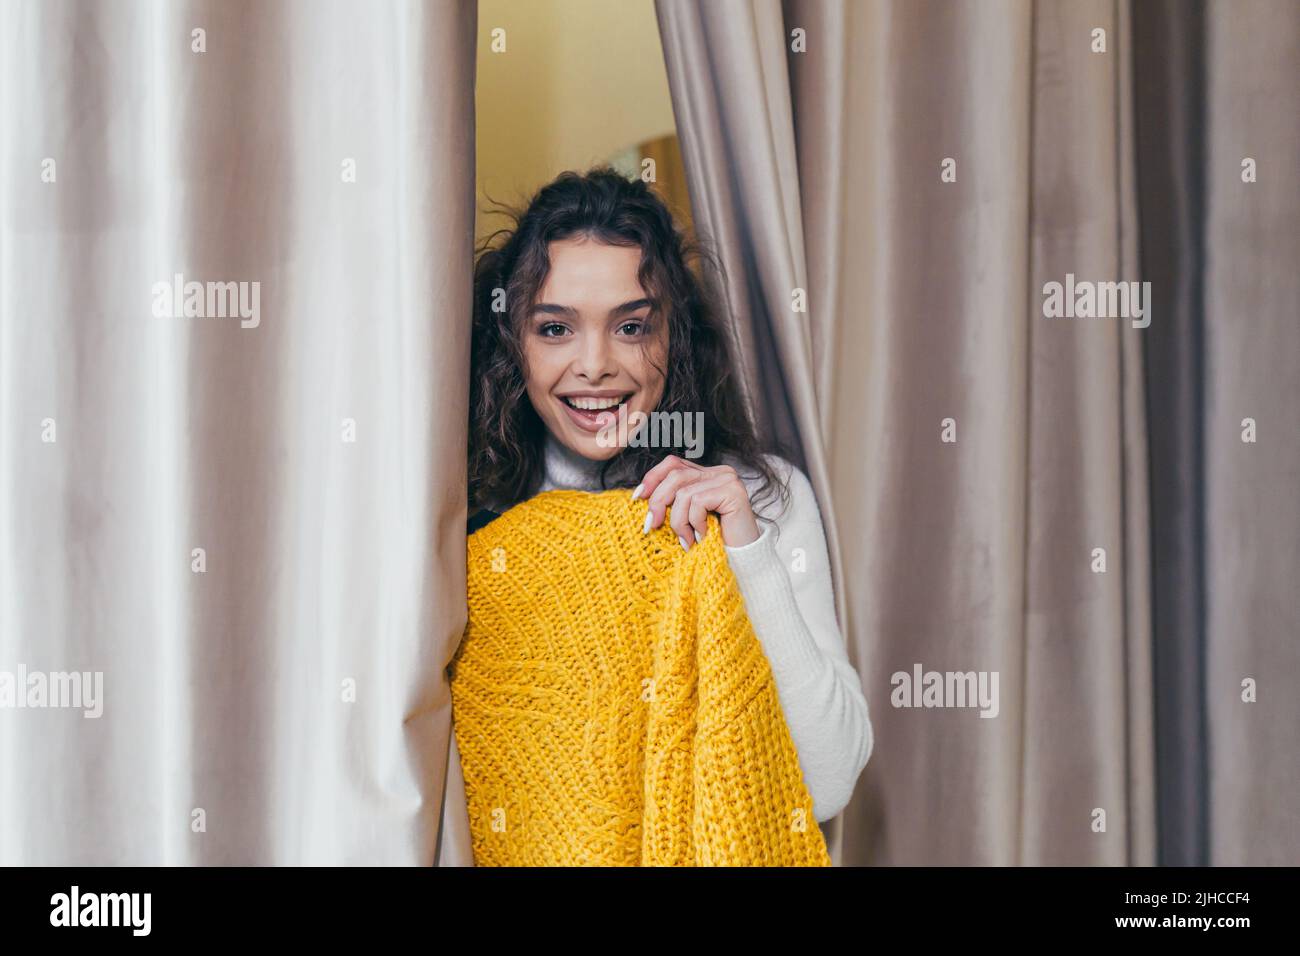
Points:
[[785, 580]]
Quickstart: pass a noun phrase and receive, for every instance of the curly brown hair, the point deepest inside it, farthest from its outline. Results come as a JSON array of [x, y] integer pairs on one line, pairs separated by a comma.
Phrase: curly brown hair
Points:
[[506, 436]]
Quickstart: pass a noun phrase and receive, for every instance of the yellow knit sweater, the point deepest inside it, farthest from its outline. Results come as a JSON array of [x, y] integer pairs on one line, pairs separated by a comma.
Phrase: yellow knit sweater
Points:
[[612, 705]]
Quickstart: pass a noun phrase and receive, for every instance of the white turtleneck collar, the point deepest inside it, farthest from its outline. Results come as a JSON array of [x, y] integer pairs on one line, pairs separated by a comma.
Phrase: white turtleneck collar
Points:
[[565, 468]]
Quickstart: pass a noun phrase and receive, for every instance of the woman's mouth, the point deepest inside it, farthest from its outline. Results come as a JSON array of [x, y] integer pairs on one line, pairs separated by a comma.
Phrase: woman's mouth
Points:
[[592, 413]]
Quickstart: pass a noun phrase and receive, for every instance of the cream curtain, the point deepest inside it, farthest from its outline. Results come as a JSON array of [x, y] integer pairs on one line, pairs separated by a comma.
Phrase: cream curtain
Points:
[[251, 526]]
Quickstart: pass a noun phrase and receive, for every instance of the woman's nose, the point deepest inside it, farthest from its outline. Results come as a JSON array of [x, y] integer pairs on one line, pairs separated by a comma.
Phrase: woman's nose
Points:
[[595, 360]]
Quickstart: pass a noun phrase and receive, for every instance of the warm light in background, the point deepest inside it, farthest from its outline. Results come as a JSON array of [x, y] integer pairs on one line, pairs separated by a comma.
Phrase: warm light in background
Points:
[[580, 82]]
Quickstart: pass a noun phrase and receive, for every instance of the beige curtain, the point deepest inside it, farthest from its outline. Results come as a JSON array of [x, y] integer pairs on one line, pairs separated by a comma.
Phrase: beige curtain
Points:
[[1251, 241], [250, 526], [825, 170], [1215, 95]]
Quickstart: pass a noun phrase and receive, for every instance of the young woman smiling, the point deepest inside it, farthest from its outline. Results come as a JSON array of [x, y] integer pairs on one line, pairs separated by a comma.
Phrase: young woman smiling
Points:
[[588, 305]]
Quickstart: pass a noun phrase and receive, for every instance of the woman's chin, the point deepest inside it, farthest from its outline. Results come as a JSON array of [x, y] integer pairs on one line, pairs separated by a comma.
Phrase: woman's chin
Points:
[[590, 445]]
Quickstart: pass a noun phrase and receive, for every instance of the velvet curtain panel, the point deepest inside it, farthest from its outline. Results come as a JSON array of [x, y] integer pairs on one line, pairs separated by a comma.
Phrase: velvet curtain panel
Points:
[[243, 510], [1250, 458], [920, 171]]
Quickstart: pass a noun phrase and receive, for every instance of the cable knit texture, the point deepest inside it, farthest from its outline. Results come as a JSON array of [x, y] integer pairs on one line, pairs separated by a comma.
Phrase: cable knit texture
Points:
[[793, 614], [612, 704]]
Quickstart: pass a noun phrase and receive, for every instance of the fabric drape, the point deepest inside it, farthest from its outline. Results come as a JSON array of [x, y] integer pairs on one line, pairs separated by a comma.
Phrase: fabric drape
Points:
[[1252, 372], [252, 529], [1213, 95], [951, 159], [1170, 104], [925, 322]]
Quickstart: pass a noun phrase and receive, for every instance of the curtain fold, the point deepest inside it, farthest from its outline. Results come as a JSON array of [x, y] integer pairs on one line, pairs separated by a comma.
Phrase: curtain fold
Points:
[[1251, 452], [1170, 113], [951, 159], [246, 520]]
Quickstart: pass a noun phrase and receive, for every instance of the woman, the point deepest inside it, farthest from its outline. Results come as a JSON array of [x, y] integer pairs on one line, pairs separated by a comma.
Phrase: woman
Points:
[[586, 316]]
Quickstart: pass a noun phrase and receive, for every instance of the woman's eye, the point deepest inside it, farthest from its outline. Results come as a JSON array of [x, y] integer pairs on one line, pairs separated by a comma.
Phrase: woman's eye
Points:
[[552, 330], [632, 328]]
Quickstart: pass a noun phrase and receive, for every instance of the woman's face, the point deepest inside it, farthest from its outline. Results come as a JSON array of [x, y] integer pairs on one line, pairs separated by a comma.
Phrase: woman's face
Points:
[[589, 346]]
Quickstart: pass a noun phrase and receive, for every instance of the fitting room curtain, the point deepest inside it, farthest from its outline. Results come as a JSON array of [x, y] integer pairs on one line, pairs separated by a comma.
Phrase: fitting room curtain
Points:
[[1225, 527], [249, 522], [1250, 240], [925, 168]]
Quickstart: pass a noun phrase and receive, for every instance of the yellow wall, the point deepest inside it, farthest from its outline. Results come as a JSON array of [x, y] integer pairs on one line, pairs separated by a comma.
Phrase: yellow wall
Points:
[[579, 82]]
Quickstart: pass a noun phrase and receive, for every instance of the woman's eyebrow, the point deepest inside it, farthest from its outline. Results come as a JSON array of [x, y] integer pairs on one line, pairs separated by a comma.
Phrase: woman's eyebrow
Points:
[[632, 306], [549, 308], [568, 311]]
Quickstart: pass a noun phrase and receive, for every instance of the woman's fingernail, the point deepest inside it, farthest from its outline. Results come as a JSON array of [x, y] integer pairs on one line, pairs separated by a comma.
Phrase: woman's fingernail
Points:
[[649, 515], [685, 546], [636, 492], [698, 537]]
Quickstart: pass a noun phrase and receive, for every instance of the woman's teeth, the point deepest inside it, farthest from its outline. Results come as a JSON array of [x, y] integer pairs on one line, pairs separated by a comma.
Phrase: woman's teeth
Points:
[[593, 404]]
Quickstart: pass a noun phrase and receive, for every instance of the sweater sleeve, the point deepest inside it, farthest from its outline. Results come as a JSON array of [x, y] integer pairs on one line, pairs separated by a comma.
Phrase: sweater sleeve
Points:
[[785, 580]]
